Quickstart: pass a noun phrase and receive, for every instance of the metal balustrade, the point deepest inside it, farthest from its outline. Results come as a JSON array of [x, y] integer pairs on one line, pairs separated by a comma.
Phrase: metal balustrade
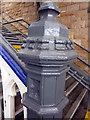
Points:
[[18, 21], [21, 74], [24, 35], [9, 55]]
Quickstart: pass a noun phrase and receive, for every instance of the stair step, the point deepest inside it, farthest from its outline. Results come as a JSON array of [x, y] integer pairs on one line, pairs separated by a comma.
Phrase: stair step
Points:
[[18, 111], [11, 34], [71, 88], [14, 43], [14, 38], [9, 40], [3, 32], [76, 104], [69, 76]]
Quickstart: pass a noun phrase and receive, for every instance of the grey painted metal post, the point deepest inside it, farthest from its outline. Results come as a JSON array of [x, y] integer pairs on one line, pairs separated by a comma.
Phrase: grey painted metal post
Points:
[[46, 52]]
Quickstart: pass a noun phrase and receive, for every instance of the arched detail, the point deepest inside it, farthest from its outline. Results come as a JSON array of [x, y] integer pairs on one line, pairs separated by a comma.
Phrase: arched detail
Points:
[[9, 81], [11, 85]]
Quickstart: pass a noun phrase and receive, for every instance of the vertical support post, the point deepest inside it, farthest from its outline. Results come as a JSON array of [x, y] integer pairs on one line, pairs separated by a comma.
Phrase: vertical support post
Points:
[[9, 107], [25, 112], [9, 81], [8, 94]]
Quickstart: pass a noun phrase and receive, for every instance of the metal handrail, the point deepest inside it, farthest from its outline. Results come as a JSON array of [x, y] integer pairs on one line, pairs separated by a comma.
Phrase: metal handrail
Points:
[[83, 61], [29, 25], [23, 34], [81, 47], [79, 77], [26, 35], [15, 19], [79, 57], [79, 81]]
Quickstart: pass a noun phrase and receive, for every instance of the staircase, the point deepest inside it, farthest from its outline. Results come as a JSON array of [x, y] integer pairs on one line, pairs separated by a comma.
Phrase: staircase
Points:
[[77, 81], [12, 38], [77, 93], [9, 56]]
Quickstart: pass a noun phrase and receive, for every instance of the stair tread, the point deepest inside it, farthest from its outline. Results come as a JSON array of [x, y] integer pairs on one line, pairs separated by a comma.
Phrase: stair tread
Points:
[[76, 104], [11, 33], [11, 38], [71, 88], [14, 43], [19, 111]]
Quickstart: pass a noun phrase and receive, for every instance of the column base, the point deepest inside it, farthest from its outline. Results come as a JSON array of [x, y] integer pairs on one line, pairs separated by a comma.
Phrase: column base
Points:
[[41, 110], [31, 114]]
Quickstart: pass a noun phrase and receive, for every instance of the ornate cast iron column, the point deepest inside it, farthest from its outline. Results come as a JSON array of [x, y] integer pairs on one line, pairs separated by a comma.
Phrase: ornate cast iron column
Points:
[[46, 52]]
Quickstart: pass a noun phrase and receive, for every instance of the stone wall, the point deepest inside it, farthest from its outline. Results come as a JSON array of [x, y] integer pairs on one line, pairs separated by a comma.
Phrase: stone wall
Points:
[[74, 16], [0, 10], [76, 19], [20, 10], [25, 10]]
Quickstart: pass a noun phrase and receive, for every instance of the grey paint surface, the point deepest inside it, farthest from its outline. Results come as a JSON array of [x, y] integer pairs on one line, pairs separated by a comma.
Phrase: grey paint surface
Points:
[[46, 52]]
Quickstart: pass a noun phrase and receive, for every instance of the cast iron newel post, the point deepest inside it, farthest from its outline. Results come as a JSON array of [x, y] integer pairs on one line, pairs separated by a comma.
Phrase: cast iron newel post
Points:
[[46, 52]]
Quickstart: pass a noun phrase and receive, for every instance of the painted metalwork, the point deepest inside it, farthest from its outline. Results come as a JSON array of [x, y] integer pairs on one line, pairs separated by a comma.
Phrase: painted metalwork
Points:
[[23, 34], [15, 19], [9, 55], [79, 81], [46, 53], [83, 61], [81, 47], [14, 66], [79, 77], [80, 58]]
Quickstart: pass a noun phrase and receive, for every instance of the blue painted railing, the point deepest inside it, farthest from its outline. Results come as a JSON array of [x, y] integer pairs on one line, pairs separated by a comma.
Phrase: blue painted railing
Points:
[[14, 65]]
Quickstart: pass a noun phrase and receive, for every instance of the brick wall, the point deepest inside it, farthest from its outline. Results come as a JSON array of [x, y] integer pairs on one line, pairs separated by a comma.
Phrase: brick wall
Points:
[[75, 17]]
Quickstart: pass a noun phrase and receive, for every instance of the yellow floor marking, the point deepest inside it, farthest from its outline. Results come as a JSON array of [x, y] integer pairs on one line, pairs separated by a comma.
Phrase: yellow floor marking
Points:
[[1, 25], [17, 46], [87, 115]]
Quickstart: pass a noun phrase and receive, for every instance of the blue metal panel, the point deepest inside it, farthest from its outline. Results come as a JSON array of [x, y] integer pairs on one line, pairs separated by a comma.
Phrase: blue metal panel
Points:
[[14, 66]]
